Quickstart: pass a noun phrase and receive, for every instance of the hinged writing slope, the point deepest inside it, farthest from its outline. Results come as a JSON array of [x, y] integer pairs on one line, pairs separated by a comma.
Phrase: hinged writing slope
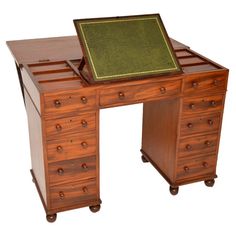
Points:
[[125, 48]]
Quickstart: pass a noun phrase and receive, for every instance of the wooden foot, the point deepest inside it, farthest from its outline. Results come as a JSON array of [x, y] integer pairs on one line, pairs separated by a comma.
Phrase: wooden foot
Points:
[[144, 159], [209, 182], [95, 209], [174, 190], [51, 218]]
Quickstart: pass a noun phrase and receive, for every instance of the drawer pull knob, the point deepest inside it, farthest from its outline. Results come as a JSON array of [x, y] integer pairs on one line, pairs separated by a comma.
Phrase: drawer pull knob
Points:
[[216, 82], [186, 169], [84, 166], [84, 123], [84, 100], [208, 143], [121, 95], [191, 105], [84, 144], [210, 122], [194, 84], [59, 149], [85, 189], [205, 164], [163, 90], [61, 195], [188, 147], [57, 103], [60, 171], [58, 127], [190, 125], [213, 103]]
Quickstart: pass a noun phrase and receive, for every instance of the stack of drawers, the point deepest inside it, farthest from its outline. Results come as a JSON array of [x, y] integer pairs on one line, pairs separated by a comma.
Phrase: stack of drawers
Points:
[[202, 110], [71, 146]]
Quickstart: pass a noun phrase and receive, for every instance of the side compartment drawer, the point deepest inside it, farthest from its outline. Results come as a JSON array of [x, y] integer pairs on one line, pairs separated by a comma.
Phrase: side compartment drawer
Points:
[[72, 170], [198, 145], [196, 167], [192, 105], [60, 127], [72, 147], [199, 123], [139, 93], [73, 193]]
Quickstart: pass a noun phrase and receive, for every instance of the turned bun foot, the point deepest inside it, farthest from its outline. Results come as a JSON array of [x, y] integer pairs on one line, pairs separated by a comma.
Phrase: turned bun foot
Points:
[[174, 190], [95, 209], [209, 182], [51, 218], [144, 159]]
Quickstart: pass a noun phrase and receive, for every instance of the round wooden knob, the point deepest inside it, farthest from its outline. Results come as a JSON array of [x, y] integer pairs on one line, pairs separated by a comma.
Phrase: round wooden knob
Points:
[[215, 82], [163, 90], [60, 171], [210, 122], [59, 149], [85, 189], [205, 164], [121, 95], [57, 103], [190, 125], [208, 143], [188, 147], [191, 105], [84, 123], [84, 166], [61, 195], [213, 103], [84, 100], [186, 169], [84, 144], [58, 127], [194, 84]]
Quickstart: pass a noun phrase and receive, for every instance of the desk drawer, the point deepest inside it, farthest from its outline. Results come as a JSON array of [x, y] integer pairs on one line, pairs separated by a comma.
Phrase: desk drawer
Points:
[[73, 193], [198, 145], [194, 105], [196, 167], [205, 83], [72, 170], [199, 123], [72, 147], [69, 102], [139, 93], [60, 127]]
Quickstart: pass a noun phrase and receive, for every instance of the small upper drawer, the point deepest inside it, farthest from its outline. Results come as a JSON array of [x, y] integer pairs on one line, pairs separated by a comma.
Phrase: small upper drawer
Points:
[[69, 102], [72, 170], [192, 105], [58, 128], [205, 83], [198, 145], [199, 123], [71, 147], [139, 93]]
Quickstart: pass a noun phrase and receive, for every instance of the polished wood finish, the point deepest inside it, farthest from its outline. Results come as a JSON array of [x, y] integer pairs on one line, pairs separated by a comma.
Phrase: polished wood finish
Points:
[[182, 118]]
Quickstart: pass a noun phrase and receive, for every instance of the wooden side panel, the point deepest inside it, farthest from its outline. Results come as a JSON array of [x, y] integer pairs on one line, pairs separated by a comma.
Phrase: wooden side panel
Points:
[[160, 125], [36, 144]]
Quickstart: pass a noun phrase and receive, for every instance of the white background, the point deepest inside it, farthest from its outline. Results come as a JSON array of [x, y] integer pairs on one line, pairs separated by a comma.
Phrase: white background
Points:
[[136, 199]]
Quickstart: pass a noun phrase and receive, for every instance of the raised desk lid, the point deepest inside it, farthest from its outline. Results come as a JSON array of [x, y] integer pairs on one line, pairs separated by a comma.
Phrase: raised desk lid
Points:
[[126, 48]]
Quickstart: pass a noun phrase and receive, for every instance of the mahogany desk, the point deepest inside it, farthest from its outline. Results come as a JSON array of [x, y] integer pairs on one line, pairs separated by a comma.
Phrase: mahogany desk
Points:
[[182, 118]]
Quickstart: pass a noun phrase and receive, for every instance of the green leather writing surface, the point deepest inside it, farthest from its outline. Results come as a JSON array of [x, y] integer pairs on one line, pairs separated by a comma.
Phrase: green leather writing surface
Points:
[[126, 47]]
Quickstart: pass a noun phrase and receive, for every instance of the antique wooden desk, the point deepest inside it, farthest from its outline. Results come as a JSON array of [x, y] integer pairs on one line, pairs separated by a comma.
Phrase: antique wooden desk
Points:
[[182, 118]]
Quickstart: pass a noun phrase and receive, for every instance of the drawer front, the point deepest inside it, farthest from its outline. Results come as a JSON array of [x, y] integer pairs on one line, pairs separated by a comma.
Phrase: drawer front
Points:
[[72, 147], [205, 83], [196, 167], [139, 93], [72, 170], [58, 128], [69, 102], [73, 193], [200, 123], [198, 145], [202, 104]]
